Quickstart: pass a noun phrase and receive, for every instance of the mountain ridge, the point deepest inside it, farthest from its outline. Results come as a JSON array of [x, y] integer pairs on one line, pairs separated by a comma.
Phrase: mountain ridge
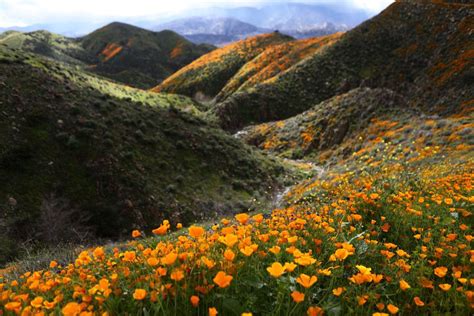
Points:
[[119, 51]]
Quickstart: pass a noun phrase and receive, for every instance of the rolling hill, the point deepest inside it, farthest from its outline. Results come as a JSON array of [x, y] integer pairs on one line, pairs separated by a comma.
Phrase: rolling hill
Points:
[[137, 56], [119, 51], [273, 61], [417, 49], [48, 44], [206, 76], [84, 158]]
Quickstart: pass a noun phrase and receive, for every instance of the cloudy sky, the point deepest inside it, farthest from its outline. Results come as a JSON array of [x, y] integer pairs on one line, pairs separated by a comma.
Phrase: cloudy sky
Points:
[[28, 12]]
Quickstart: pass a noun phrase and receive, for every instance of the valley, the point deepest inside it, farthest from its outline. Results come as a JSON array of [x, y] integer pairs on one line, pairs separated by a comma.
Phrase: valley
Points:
[[143, 174]]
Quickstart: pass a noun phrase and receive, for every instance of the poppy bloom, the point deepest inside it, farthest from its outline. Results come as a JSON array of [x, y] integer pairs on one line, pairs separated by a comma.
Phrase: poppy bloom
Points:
[[222, 279], [289, 266], [242, 218], [229, 255], [418, 301], [392, 309], [129, 256], [404, 285], [445, 286], [229, 240], [341, 254], [314, 311], [275, 250], [177, 275], [169, 259], [194, 300], [440, 271], [306, 280], [71, 309], [338, 291], [276, 270], [196, 231], [37, 302], [152, 261], [212, 311], [298, 297], [136, 234], [160, 230], [139, 294]]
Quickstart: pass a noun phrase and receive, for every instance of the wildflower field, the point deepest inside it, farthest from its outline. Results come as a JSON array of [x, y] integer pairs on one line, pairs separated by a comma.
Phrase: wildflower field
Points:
[[379, 234]]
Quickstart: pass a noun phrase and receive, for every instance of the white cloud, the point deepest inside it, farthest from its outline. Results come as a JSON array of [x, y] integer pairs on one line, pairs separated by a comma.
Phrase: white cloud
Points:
[[21, 12], [373, 6]]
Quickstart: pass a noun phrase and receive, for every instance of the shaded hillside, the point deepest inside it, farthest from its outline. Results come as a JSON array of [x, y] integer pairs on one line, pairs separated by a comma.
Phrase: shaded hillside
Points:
[[82, 157], [207, 75], [137, 56], [273, 61], [421, 50], [48, 44]]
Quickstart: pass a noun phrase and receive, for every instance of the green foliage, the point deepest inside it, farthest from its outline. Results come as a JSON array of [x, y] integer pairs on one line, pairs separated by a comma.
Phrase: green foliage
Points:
[[113, 152]]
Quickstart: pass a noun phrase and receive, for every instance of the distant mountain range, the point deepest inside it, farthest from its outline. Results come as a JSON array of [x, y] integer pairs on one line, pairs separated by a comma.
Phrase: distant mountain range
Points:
[[221, 25], [220, 31]]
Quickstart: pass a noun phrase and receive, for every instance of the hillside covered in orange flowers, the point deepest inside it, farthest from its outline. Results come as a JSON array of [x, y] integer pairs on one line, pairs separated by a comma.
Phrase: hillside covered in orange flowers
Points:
[[345, 188], [207, 75]]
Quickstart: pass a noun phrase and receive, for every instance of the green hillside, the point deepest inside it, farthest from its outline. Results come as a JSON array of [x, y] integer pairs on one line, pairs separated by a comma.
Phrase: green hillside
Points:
[[113, 158], [48, 44], [122, 52]]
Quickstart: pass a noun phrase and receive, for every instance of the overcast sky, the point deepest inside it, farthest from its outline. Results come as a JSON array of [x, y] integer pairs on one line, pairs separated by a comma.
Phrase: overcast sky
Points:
[[28, 12]]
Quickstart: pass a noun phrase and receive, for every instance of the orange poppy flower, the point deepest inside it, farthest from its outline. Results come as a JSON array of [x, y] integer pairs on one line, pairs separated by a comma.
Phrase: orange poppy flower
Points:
[[229, 255], [212, 311], [139, 294], [440, 271], [298, 297], [392, 309], [229, 240], [306, 280], [242, 218], [404, 285], [177, 275], [418, 301], [194, 300], [196, 231], [71, 309], [338, 291], [445, 286], [169, 259], [276, 270], [222, 279]]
